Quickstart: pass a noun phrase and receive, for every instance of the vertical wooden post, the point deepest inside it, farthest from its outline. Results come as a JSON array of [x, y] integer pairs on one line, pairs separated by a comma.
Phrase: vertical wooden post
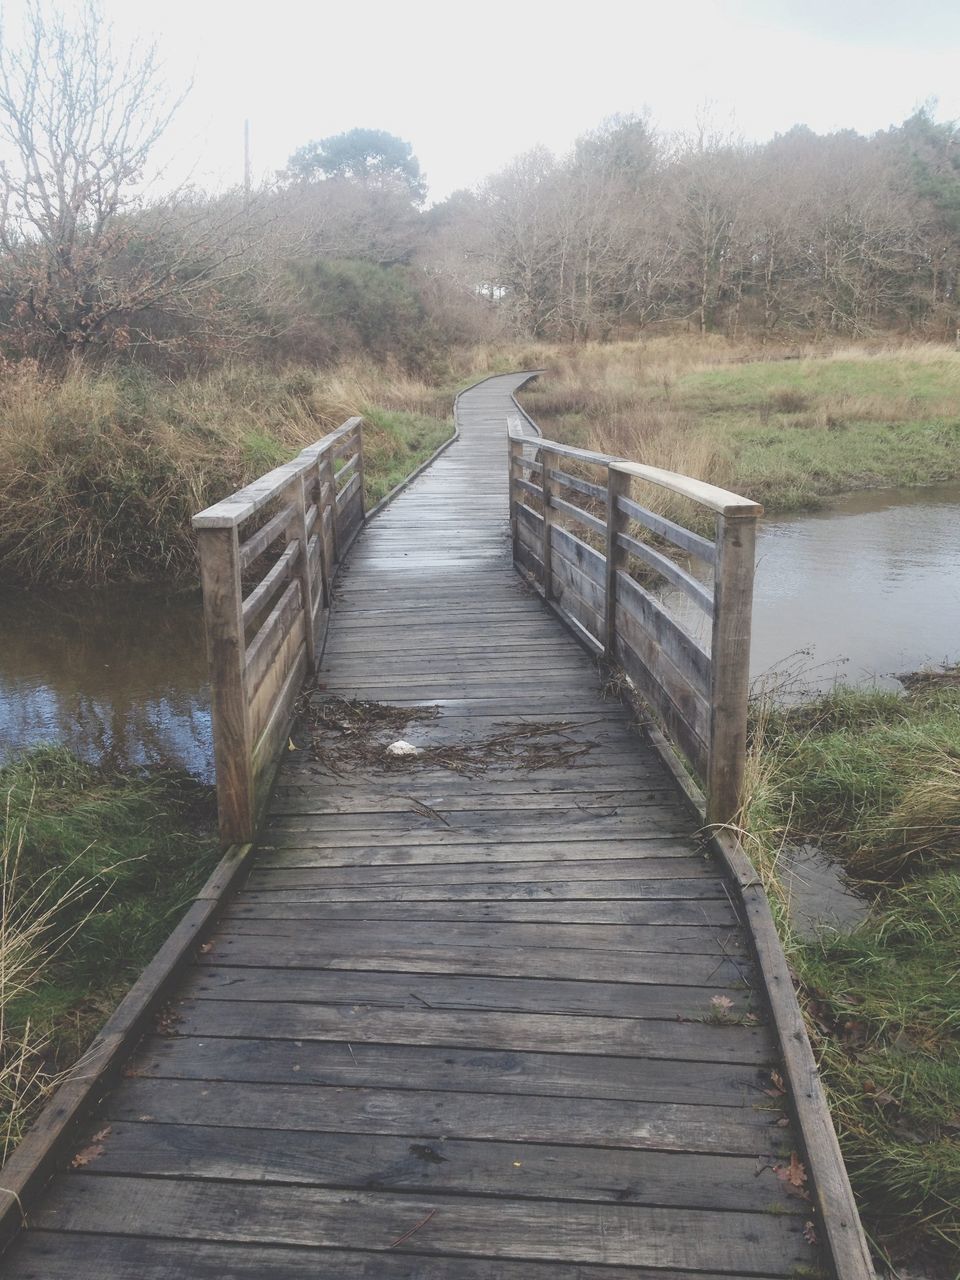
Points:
[[618, 485], [363, 505], [297, 532], [226, 654], [514, 448], [547, 460], [730, 664], [328, 479], [314, 486]]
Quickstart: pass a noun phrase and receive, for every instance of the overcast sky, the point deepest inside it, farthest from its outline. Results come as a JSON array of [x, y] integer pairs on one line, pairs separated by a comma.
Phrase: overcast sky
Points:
[[471, 87]]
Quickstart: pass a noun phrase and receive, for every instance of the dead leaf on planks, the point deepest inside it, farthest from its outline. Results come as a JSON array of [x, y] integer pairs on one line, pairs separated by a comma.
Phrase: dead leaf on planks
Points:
[[91, 1151]]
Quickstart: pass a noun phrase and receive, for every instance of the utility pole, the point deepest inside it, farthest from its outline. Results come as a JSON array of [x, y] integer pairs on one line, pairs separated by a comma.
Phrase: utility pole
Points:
[[246, 159]]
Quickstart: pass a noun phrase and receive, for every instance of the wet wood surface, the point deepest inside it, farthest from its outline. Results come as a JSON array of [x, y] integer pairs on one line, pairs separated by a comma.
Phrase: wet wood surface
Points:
[[486, 1015]]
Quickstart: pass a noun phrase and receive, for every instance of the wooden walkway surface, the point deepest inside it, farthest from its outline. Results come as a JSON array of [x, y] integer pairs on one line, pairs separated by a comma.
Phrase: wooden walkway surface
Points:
[[459, 1025]]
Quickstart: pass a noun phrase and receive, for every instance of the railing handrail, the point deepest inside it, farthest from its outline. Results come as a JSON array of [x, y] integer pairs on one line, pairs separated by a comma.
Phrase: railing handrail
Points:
[[700, 697], [246, 502], [266, 599], [707, 495]]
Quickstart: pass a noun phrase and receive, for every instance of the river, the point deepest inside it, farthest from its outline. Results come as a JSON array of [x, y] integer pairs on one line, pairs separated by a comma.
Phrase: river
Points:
[[866, 588]]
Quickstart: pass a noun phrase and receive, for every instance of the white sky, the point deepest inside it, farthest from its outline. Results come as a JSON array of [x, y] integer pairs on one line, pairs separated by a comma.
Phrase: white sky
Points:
[[471, 87]]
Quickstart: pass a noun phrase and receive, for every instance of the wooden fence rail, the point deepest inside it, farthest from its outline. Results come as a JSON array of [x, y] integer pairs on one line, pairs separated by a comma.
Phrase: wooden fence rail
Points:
[[268, 557], [591, 547]]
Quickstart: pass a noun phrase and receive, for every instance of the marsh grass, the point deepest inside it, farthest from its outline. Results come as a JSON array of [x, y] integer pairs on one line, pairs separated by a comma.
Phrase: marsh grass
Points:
[[787, 428], [872, 777], [101, 471], [96, 869]]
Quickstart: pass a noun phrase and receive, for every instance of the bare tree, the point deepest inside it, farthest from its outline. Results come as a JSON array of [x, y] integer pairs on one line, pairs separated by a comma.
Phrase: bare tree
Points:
[[85, 259]]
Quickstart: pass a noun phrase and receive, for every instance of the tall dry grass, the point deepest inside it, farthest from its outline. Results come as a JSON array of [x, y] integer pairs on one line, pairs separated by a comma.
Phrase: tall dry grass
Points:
[[101, 471]]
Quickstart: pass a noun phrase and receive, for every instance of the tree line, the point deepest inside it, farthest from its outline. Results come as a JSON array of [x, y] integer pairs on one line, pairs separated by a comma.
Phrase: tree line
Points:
[[838, 234]]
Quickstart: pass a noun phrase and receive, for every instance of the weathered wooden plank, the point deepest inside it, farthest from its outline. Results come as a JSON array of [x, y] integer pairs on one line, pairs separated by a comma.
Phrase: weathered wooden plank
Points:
[[490, 1071], [746, 1131], [264, 593], [439, 991], [406, 954], [79, 1256], [621, 1235], [383, 1162], [573, 512], [670, 570], [260, 916]]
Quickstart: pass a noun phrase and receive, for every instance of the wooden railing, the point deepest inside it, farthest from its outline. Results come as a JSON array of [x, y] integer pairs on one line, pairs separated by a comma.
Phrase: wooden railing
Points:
[[698, 693], [268, 556]]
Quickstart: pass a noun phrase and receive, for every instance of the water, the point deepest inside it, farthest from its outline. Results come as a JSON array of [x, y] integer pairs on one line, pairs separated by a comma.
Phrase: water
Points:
[[871, 585], [864, 590], [117, 674], [817, 892]]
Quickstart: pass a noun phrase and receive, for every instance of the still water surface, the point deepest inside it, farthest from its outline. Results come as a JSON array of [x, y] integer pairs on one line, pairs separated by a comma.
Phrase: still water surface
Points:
[[870, 585], [115, 673]]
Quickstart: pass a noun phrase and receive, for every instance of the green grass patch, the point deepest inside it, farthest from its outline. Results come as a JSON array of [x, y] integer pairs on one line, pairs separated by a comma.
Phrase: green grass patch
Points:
[[874, 778], [97, 869], [396, 443], [786, 432]]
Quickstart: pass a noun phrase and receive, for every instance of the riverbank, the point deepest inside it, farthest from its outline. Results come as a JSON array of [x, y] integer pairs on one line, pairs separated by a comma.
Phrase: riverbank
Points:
[[101, 471], [788, 428], [874, 779], [97, 867]]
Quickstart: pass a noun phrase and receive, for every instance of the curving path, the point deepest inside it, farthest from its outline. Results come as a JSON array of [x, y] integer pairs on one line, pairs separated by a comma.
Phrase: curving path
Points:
[[457, 1025]]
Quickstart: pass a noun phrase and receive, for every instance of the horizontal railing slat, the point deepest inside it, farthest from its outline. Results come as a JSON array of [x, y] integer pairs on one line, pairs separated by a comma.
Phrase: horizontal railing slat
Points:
[[578, 513], [679, 646], [586, 487], [683, 538], [349, 489], [260, 597], [274, 629], [585, 557], [666, 567], [258, 542]]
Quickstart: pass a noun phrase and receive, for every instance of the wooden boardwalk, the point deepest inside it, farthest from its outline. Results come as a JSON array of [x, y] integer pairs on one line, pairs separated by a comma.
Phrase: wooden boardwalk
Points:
[[460, 1025]]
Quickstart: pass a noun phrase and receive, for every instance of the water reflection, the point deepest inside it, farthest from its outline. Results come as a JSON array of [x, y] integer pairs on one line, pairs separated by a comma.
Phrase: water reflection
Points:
[[867, 587], [117, 674], [870, 585]]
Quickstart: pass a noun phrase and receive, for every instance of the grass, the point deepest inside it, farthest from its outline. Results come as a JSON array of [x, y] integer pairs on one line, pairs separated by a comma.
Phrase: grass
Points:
[[97, 868], [100, 471], [787, 429], [873, 778]]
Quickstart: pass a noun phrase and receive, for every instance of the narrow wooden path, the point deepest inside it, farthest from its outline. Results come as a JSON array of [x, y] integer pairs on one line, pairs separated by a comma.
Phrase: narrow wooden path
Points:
[[495, 1024]]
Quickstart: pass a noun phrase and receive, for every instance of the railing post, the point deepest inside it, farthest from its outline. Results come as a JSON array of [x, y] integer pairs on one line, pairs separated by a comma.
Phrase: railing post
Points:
[[618, 485], [327, 478], [359, 472], [297, 532], [314, 494], [547, 460], [226, 654], [730, 664], [514, 448]]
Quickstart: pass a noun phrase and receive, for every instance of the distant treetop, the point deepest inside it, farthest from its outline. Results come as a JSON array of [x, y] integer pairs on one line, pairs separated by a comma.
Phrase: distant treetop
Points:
[[366, 155]]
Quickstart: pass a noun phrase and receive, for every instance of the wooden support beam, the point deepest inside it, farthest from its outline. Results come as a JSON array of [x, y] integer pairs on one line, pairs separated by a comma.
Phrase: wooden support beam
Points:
[[618, 486], [730, 664], [548, 460], [226, 655]]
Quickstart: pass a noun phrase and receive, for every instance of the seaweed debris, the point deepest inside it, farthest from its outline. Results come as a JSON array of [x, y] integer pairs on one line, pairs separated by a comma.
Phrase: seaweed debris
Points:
[[345, 734]]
